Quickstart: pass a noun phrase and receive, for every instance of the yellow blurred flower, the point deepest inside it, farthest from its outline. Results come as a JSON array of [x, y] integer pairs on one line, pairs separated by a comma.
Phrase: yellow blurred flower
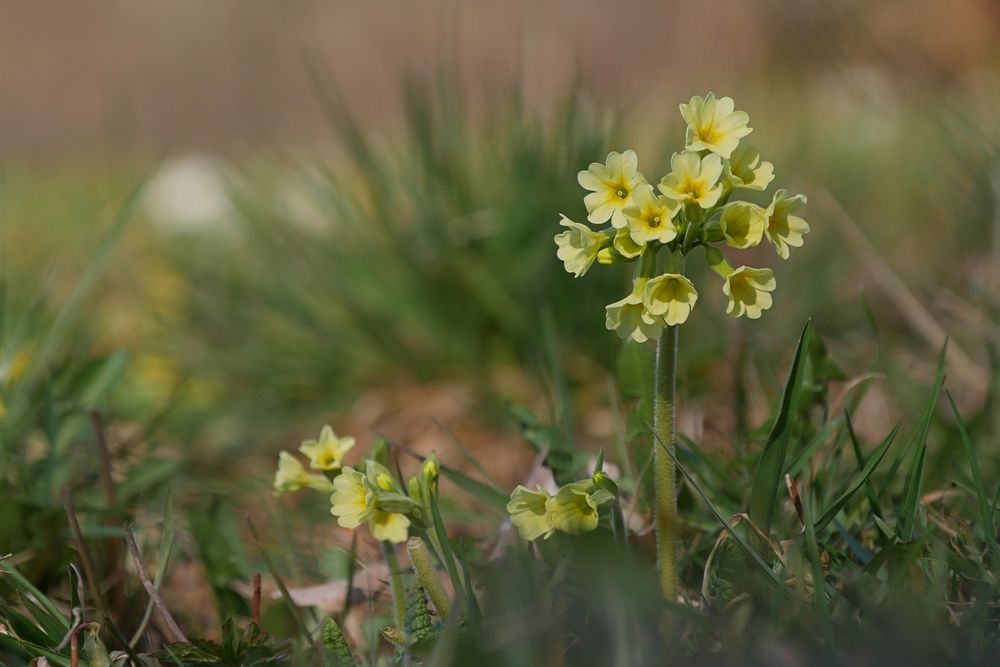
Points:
[[353, 499], [327, 453], [650, 217], [693, 179], [611, 185], [671, 297], [527, 513], [784, 229], [749, 291], [578, 246], [742, 224], [629, 319], [292, 476], [745, 169], [714, 124], [573, 509], [389, 526]]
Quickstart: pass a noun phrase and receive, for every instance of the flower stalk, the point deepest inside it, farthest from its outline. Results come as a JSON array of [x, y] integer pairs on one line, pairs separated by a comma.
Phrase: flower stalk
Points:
[[664, 473], [395, 585]]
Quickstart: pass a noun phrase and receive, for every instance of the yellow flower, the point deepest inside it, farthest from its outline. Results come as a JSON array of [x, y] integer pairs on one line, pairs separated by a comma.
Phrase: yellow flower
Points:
[[742, 224], [573, 509], [353, 499], [578, 247], [327, 453], [629, 319], [611, 185], [749, 291], [783, 228], [671, 297], [626, 245], [745, 169], [527, 513], [292, 476], [649, 217], [389, 526], [714, 125], [693, 180]]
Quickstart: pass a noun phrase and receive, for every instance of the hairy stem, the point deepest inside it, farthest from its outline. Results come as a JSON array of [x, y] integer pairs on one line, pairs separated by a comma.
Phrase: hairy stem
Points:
[[664, 474], [396, 584]]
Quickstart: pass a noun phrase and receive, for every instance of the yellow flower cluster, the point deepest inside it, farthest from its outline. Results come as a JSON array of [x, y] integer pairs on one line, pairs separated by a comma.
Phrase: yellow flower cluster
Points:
[[374, 496], [573, 509], [691, 206]]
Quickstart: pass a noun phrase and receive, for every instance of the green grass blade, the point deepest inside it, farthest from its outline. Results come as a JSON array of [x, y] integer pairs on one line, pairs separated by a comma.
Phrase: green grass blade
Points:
[[914, 479], [446, 550], [767, 478], [987, 530], [831, 512]]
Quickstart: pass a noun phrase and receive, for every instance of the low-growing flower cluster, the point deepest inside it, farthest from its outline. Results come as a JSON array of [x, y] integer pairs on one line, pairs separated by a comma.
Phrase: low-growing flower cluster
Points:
[[691, 206], [368, 494], [575, 508]]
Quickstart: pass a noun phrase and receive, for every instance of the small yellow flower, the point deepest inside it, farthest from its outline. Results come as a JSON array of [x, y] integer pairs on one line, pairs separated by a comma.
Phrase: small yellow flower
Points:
[[573, 509], [292, 476], [714, 125], [749, 291], [744, 169], [353, 499], [629, 319], [625, 245], [611, 185], [578, 247], [742, 224], [527, 513], [389, 526], [783, 228], [670, 297], [693, 179], [650, 217], [327, 453]]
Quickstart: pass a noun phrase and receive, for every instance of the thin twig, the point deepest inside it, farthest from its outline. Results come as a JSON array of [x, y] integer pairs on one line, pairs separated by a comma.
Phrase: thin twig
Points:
[[168, 619], [255, 603], [116, 567], [88, 565]]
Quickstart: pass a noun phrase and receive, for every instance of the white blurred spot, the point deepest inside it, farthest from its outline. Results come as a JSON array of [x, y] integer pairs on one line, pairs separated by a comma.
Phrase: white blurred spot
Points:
[[189, 194]]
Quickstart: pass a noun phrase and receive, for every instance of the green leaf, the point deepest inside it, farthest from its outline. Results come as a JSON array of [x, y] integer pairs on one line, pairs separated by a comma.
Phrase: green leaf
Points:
[[831, 512], [767, 478], [986, 530], [914, 479]]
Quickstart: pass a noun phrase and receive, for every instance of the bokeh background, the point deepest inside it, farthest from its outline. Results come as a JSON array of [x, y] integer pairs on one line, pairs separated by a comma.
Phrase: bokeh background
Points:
[[346, 213]]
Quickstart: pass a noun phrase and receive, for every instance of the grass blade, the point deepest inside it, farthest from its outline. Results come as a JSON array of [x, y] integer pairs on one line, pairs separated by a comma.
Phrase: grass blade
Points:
[[767, 478], [831, 512], [987, 532]]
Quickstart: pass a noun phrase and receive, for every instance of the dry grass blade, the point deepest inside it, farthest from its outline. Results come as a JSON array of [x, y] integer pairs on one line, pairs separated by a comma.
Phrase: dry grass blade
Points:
[[910, 306], [723, 536], [168, 619]]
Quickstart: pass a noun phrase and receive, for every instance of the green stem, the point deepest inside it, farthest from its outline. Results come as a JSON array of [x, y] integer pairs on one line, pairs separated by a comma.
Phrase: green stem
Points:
[[427, 576], [664, 474], [396, 584]]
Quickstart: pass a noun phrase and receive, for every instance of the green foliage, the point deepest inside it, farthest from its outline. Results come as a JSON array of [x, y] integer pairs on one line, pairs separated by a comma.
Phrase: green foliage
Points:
[[249, 647]]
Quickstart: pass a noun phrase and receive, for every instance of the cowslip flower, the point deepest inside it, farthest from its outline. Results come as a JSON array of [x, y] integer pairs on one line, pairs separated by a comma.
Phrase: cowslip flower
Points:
[[528, 514], [327, 453], [650, 218], [784, 229], [578, 246], [611, 185], [574, 507], [292, 476], [693, 179], [670, 297], [742, 224], [354, 502], [744, 169], [629, 319], [749, 291], [714, 124]]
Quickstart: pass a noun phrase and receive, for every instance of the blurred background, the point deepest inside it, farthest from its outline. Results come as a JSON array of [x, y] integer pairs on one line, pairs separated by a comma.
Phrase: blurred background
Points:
[[345, 214]]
